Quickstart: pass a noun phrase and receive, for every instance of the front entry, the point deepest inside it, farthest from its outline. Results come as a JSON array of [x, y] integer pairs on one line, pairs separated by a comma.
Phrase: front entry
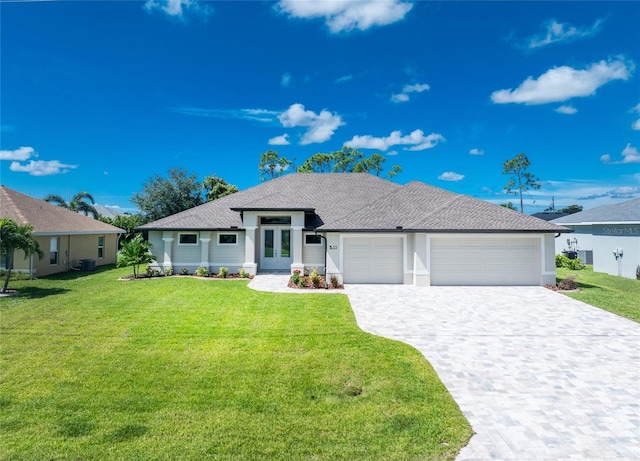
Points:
[[275, 253]]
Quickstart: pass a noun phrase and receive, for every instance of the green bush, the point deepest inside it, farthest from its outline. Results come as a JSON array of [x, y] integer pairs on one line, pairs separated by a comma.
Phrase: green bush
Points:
[[202, 271], [572, 264], [315, 278], [243, 273], [334, 281], [184, 271], [168, 271], [295, 278], [223, 272]]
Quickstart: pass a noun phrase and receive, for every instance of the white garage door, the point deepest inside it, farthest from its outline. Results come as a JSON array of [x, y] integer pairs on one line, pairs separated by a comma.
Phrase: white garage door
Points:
[[485, 261], [373, 260]]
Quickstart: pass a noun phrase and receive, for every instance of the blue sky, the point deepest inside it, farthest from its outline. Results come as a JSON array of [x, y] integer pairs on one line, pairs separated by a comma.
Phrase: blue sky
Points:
[[100, 96]]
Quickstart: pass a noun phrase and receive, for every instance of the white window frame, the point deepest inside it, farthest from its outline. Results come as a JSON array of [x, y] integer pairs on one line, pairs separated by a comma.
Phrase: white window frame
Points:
[[312, 244], [220, 234], [54, 247], [100, 247], [188, 243]]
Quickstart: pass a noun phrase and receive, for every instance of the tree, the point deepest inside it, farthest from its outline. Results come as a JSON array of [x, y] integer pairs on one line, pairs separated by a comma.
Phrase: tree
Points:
[[509, 205], [134, 253], [571, 209], [521, 180], [128, 222], [166, 196], [78, 203], [216, 187], [15, 237], [347, 160], [272, 165]]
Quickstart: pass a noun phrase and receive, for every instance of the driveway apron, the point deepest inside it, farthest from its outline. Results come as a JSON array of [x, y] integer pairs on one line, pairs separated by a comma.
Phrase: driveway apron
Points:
[[537, 374]]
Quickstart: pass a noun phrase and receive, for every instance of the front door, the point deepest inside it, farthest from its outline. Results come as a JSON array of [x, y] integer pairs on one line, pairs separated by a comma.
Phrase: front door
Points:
[[276, 248]]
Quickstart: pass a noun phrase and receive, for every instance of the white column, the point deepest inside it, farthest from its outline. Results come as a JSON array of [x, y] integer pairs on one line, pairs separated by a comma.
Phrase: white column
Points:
[[167, 238], [249, 264], [421, 275], [296, 247], [205, 238]]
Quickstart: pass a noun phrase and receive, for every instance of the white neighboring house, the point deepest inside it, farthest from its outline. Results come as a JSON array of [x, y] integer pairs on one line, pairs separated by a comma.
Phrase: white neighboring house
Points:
[[611, 232], [361, 229]]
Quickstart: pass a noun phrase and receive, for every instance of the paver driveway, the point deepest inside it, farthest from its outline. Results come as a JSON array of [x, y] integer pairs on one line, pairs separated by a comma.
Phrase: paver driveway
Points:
[[537, 374]]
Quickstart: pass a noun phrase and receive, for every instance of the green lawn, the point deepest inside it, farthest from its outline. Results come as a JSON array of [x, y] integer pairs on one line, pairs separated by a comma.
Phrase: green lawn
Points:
[[93, 368], [614, 294]]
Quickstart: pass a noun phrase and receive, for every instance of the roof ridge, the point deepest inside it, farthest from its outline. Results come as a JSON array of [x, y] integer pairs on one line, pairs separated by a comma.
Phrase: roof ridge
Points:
[[16, 209], [436, 210]]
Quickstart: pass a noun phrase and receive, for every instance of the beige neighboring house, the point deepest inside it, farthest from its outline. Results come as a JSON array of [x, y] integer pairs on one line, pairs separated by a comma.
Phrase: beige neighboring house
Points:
[[69, 240]]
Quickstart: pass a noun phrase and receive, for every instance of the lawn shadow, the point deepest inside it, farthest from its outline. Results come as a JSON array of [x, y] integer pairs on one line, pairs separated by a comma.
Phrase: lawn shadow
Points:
[[36, 293], [73, 274]]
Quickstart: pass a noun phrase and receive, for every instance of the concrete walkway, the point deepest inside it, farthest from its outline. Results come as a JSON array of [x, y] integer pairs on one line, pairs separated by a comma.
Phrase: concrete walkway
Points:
[[538, 375]]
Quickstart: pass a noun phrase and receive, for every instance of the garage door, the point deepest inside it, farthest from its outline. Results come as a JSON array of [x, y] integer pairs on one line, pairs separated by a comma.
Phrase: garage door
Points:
[[373, 260], [485, 261]]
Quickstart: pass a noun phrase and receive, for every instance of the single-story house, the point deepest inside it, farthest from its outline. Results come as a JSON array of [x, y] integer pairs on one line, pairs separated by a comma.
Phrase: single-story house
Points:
[[68, 239], [610, 234], [361, 229]]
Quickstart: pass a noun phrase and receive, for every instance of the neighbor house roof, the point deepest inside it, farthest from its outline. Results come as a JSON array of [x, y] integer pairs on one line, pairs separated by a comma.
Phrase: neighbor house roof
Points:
[[47, 218], [357, 202], [624, 212]]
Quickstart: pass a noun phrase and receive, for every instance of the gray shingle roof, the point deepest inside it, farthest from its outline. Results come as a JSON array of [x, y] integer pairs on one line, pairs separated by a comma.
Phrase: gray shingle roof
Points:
[[358, 201], [47, 218], [628, 211]]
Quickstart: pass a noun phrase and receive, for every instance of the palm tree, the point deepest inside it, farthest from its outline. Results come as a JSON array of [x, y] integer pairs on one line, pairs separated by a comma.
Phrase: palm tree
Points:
[[134, 253], [78, 203], [15, 237]]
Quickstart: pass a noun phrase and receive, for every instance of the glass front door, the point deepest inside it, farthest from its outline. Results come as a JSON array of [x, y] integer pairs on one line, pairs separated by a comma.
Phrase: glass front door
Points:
[[276, 248]]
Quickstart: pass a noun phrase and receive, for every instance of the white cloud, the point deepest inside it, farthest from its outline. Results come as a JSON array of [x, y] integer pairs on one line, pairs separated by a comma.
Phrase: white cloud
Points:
[[407, 89], [416, 140], [566, 109], [42, 167], [348, 15], [556, 32], [258, 115], [344, 78], [320, 126], [282, 140], [285, 80], [476, 151], [451, 176], [179, 9], [636, 125], [629, 155], [20, 154], [562, 83]]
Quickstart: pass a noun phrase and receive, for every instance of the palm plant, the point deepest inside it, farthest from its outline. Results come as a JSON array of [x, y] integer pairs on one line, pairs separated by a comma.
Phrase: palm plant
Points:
[[15, 237], [134, 253], [78, 203]]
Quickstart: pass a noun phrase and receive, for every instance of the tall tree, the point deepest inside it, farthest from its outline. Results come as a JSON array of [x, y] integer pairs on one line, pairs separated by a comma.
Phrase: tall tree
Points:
[[571, 209], [346, 160], [272, 165], [134, 253], [216, 187], [317, 163], [128, 222], [15, 237], [78, 203], [166, 196], [521, 180]]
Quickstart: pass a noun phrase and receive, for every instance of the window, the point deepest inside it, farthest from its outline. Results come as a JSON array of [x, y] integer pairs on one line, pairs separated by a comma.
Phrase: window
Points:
[[53, 251], [275, 220], [100, 246], [188, 239], [227, 239], [312, 239]]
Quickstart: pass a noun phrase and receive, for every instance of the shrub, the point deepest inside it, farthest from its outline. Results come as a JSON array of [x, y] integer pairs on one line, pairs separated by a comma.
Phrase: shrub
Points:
[[334, 281], [568, 283], [295, 278], [223, 272], [243, 273], [202, 271], [184, 271], [315, 278], [168, 271], [572, 264]]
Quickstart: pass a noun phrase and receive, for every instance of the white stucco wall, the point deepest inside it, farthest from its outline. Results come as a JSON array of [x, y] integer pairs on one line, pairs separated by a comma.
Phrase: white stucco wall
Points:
[[608, 238]]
